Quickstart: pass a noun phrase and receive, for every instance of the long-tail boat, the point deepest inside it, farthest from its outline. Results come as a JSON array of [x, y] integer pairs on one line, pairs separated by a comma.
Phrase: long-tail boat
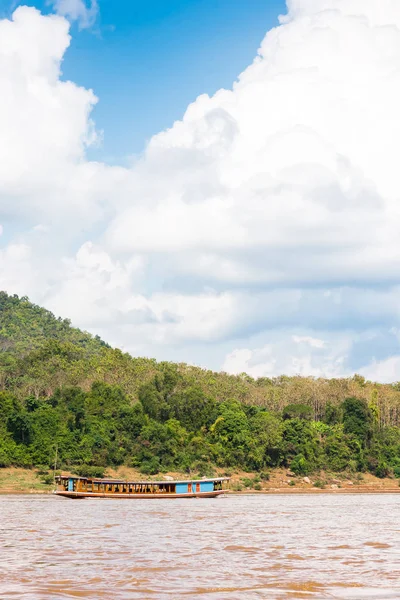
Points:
[[87, 487]]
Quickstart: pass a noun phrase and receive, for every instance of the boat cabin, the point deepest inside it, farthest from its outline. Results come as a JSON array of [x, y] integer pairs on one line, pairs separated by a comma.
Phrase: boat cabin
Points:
[[75, 487]]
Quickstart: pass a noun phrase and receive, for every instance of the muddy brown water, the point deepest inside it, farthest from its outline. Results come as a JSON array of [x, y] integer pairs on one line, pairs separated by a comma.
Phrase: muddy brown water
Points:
[[237, 547]]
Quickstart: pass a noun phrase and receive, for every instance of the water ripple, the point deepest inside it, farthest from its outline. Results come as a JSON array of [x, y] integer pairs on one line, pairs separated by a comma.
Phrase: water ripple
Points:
[[244, 547]]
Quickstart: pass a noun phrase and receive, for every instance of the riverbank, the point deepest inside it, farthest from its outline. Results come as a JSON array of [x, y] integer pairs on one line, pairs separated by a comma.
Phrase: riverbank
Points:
[[279, 481]]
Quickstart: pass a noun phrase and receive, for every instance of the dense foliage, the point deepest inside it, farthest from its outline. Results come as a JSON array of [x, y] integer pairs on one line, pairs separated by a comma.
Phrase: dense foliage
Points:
[[66, 390]]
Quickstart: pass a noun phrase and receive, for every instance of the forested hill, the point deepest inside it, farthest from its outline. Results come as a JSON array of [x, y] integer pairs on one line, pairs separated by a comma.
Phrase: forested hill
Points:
[[40, 352], [25, 326], [62, 387]]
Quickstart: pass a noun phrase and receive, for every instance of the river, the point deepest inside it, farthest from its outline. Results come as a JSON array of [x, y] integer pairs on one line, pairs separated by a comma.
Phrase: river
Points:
[[235, 547]]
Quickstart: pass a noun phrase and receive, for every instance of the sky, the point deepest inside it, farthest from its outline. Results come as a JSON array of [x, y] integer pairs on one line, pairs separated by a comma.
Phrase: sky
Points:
[[208, 182], [147, 60]]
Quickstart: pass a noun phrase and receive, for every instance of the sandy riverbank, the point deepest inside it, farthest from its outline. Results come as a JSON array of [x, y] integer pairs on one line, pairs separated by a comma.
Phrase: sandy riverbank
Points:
[[26, 481]]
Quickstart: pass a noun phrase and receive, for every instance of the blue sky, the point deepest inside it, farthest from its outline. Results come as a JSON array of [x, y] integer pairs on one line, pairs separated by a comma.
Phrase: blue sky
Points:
[[146, 60], [260, 234]]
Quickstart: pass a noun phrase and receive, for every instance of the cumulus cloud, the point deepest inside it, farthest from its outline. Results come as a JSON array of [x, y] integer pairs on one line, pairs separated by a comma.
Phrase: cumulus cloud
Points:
[[270, 211], [78, 10], [45, 124], [297, 162], [336, 356], [386, 371], [15, 268], [291, 355]]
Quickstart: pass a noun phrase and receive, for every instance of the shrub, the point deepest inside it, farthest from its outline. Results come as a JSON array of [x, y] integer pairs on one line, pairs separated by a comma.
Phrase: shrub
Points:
[[150, 467], [300, 465], [258, 487], [236, 487], [42, 470], [204, 469], [382, 470], [4, 459], [319, 484], [89, 471], [48, 479], [247, 482], [352, 466]]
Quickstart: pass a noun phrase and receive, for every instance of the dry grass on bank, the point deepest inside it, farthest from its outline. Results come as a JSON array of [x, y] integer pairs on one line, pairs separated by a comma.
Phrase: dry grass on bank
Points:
[[22, 481], [25, 481], [284, 481]]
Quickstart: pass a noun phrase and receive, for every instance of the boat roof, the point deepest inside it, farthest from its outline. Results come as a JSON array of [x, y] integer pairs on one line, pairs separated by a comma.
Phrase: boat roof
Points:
[[126, 481]]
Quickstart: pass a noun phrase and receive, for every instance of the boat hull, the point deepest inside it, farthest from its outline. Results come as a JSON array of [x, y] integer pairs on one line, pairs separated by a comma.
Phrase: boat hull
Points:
[[81, 495]]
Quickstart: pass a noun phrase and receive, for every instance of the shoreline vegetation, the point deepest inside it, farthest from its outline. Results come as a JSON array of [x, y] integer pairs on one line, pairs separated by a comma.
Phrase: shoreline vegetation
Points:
[[69, 396], [35, 481]]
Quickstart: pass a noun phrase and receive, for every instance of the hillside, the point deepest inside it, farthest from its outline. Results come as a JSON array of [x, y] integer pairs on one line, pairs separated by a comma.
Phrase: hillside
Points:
[[39, 353], [60, 387], [25, 326]]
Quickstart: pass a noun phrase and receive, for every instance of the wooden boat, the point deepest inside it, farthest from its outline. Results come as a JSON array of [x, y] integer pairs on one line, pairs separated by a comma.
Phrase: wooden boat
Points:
[[86, 487]]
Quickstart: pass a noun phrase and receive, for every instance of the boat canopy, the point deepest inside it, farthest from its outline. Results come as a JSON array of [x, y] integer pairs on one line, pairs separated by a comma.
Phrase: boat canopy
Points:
[[127, 481]]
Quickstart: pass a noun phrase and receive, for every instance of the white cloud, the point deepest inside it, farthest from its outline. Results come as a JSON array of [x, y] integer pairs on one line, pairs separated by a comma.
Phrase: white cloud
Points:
[[78, 10], [288, 169], [292, 355], [15, 269], [313, 342], [270, 210], [386, 371], [45, 126], [115, 303]]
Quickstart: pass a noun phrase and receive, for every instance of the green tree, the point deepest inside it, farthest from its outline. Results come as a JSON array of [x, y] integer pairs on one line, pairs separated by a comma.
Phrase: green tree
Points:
[[266, 432], [357, 419], [298, 411]]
